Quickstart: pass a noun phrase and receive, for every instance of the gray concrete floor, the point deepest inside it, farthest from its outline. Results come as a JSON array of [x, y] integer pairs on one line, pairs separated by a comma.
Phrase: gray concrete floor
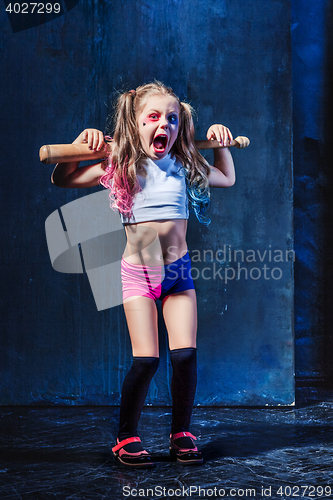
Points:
[[65, 453]]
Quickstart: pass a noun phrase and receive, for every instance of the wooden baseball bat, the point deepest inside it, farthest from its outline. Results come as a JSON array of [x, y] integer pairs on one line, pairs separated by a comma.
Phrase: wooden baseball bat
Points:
[[63, 153]]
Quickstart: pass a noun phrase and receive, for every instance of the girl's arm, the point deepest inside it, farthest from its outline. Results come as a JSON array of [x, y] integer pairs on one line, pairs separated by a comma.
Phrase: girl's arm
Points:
[[222, 174], [69, 175]]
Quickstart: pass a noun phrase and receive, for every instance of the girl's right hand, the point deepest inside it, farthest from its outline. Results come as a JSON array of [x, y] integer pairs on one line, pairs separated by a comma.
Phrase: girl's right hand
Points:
[[93, 137]]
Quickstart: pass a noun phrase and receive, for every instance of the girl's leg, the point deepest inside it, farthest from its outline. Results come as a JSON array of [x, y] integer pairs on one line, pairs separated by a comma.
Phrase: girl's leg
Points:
[[141, 315], [180, 316]]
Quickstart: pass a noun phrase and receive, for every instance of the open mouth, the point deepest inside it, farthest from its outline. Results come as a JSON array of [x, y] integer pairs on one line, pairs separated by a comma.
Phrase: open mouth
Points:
[[160, 143]]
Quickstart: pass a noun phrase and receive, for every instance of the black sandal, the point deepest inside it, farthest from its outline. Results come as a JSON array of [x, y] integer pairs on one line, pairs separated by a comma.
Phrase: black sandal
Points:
[[183, 449], [130, 453]]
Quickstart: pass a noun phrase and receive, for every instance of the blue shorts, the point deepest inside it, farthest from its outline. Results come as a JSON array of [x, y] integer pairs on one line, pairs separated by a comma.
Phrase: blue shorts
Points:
[[148, 281]]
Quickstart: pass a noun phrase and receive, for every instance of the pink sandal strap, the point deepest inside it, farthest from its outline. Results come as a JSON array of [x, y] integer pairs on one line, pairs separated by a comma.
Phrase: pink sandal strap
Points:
[[131, 454], [182, 434], [124, 442]]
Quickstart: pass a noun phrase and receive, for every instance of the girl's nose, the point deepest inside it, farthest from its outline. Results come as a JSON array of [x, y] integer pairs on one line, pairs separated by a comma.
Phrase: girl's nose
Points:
[[164, 123]]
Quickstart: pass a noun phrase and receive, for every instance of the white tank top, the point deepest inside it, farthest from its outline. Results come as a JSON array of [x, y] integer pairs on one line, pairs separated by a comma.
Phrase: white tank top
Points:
[[163, 192]]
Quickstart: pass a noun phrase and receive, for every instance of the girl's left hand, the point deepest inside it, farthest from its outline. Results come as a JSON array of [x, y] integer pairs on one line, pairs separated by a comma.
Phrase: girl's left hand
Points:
[[219, 133]]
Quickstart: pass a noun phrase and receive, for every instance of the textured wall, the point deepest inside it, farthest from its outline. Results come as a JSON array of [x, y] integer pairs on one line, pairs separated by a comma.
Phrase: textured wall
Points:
[[312, 43], [59, 78]]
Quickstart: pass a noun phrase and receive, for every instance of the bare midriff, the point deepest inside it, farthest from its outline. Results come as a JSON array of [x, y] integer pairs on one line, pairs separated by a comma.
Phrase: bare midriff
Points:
[[157, 242]]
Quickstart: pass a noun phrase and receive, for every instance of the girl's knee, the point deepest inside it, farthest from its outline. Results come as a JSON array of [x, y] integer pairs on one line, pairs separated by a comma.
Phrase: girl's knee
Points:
[[183, 356], [144, 364]]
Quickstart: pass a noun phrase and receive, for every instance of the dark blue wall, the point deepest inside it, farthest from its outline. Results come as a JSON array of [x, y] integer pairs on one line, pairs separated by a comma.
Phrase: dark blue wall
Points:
[[312, 44], [234, 65]]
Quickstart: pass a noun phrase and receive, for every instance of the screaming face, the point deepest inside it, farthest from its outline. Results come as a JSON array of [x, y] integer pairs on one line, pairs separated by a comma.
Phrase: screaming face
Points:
[[158, 124]]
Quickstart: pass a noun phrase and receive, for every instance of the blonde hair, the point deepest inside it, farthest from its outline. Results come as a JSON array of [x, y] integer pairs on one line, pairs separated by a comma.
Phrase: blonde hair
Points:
[[121, 173]]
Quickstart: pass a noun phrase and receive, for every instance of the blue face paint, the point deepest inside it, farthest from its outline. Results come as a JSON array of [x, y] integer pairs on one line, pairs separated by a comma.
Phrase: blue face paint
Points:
[[173, 119]]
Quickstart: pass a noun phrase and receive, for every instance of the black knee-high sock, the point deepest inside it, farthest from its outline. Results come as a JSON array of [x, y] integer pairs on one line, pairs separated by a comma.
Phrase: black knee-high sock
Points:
[[183, 386], [133, 394]]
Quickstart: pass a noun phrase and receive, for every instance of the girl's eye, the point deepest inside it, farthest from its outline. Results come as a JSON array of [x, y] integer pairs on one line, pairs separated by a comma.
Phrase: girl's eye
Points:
[[153, 117], [173, 119]]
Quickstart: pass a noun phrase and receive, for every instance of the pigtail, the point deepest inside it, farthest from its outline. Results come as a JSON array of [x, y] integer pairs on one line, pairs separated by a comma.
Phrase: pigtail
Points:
[[126, 136], [120, 175]]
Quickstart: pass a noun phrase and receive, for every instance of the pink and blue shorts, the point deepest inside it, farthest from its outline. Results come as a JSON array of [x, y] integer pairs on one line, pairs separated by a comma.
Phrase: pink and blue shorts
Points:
[[156, 282]]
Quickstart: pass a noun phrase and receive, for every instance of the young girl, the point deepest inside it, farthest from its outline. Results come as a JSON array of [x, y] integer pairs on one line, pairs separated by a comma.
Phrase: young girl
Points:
[[153, 170]]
